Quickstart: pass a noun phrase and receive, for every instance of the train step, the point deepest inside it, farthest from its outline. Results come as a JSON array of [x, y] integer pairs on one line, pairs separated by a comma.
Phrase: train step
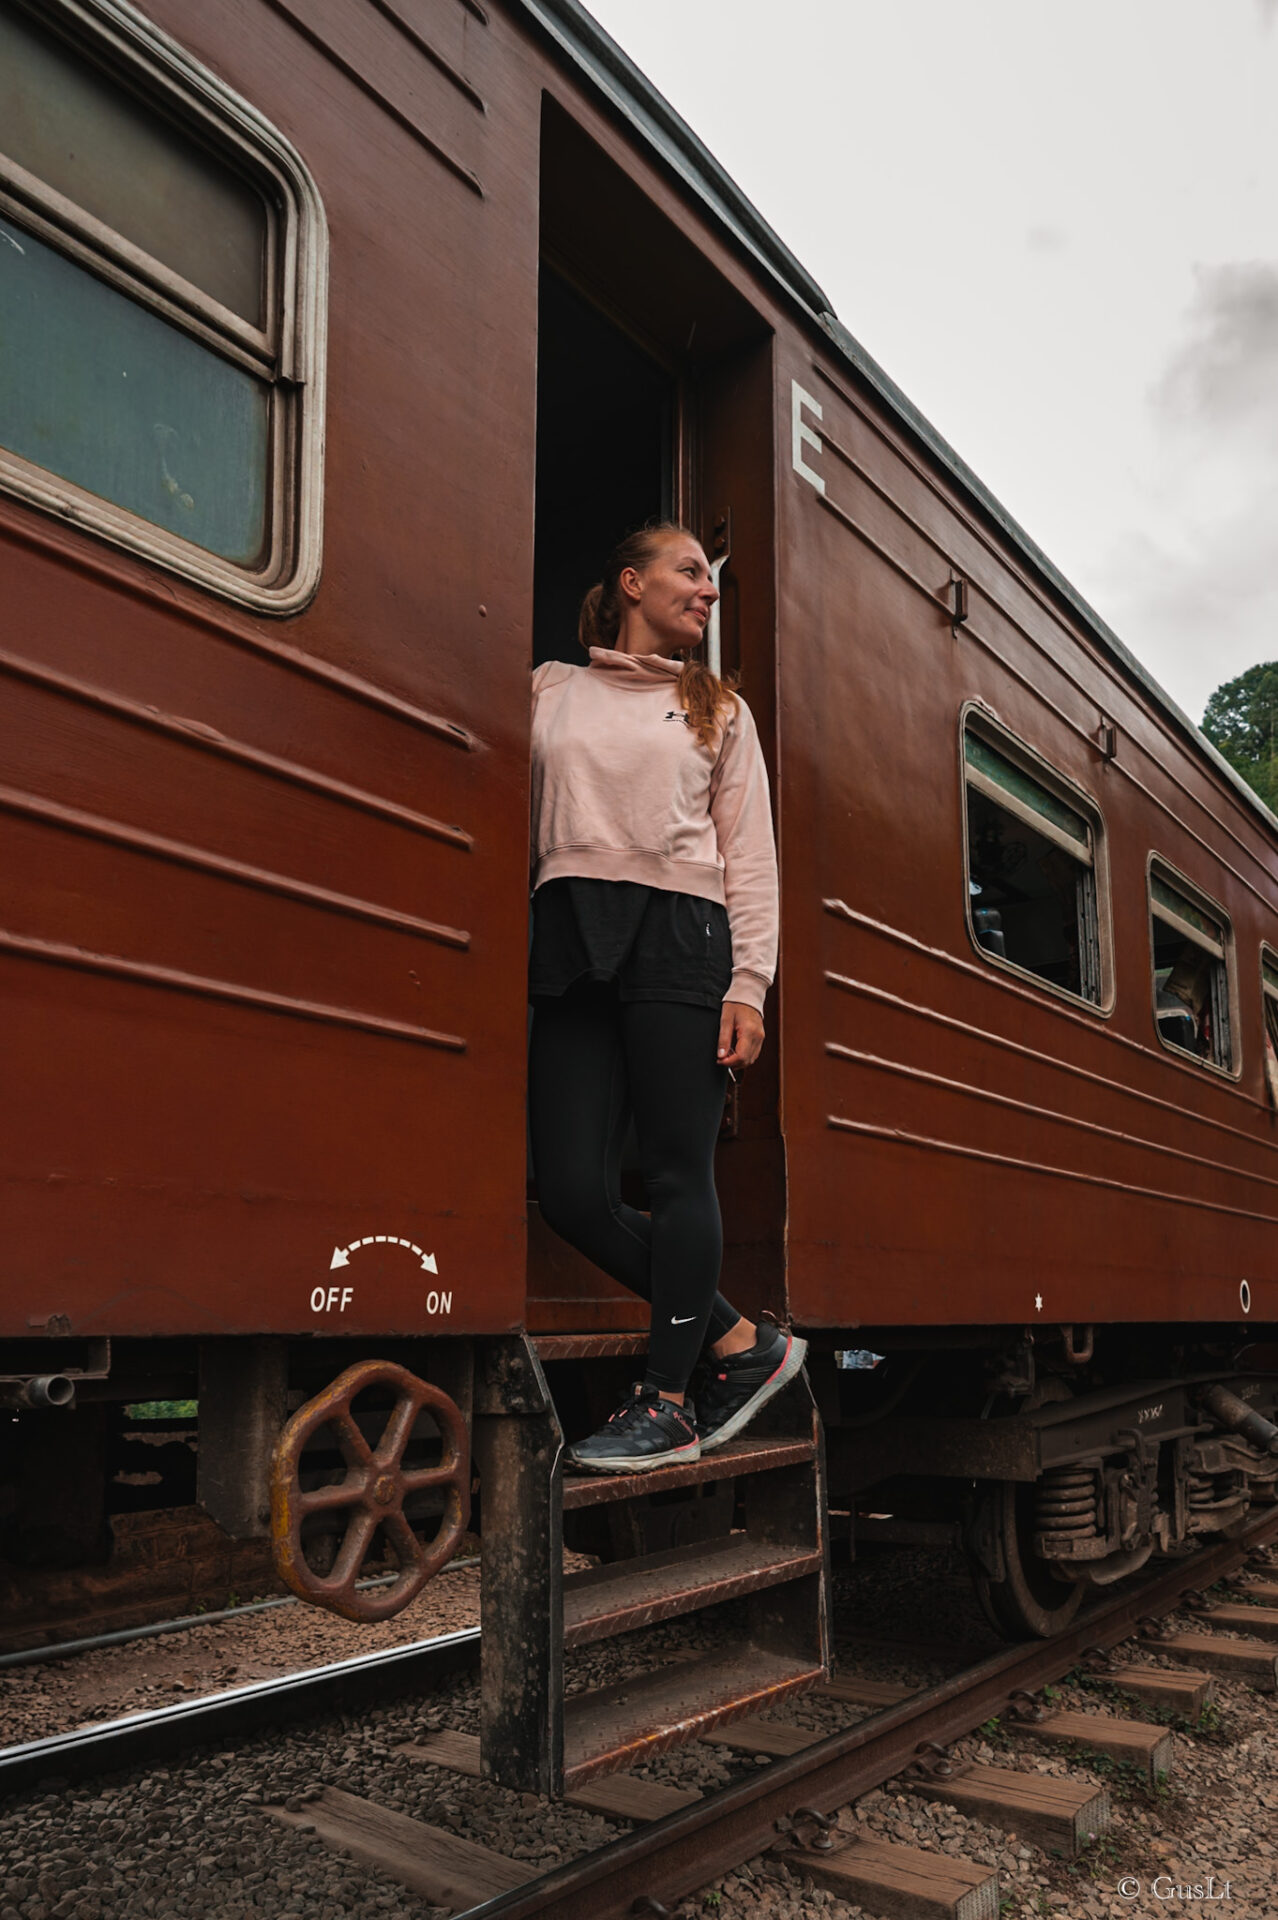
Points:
[[618, 1726], [761, 1578], [605, 1601], [728, 1463]]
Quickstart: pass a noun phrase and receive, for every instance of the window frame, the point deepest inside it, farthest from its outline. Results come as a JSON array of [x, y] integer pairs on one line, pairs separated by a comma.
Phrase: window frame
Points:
[[1179, 882], [1268, 960], [978, 718], [288, 351]]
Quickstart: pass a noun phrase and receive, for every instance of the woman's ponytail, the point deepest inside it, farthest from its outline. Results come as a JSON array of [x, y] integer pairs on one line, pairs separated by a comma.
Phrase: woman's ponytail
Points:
[[588, 621]]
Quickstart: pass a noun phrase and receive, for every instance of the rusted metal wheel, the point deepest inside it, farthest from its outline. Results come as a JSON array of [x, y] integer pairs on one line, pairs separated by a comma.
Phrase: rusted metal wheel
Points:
[[1031, 1602], [372, 1493]]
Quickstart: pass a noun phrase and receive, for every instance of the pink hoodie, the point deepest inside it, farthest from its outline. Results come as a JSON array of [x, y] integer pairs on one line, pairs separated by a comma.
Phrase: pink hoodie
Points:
[[622, 789]]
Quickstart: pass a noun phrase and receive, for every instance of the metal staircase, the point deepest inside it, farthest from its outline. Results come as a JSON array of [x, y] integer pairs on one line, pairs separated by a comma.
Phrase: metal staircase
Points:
[[774, 1563]]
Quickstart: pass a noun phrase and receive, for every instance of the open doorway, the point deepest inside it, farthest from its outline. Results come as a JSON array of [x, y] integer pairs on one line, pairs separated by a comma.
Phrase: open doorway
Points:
[[605, 464], [655, 398], [606, 421]]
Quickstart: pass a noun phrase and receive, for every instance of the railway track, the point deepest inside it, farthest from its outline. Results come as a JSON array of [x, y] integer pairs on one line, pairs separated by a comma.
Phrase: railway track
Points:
[[149, 1739], [170, 1568], [682, 1841]]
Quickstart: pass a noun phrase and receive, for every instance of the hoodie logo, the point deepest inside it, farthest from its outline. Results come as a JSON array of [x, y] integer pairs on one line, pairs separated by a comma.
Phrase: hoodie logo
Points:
[[679, 715]]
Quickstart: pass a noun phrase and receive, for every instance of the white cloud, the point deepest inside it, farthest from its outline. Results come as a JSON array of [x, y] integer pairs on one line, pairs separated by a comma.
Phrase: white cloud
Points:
[[1196, 584], [1224, 380], [1050, 239]]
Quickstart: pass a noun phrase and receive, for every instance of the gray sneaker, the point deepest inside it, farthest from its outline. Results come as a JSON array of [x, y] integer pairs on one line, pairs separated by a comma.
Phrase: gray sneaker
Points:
[[736, 1388], [645, 1432]]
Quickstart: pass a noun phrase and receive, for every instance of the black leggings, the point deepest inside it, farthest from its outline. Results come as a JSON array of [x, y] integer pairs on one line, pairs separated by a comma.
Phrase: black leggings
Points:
[[595, 1060]]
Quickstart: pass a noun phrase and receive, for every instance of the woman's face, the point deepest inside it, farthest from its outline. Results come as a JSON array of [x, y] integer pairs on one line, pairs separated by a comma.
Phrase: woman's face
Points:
[[672, 596]]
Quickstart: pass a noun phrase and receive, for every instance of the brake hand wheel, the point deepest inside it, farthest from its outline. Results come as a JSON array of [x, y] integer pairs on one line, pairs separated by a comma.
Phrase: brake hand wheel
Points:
[[372, 1494]]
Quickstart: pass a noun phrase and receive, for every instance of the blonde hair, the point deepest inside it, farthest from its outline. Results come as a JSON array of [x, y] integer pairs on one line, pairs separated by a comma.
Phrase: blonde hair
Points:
[[702, 694]]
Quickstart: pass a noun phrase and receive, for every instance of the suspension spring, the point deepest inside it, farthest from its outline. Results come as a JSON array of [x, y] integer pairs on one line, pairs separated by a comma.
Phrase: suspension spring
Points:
[[1065, 1502], [1208, 1490]]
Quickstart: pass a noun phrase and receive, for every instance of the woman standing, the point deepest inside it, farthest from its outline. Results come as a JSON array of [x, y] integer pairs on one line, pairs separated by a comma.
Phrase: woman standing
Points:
[[654, 944]]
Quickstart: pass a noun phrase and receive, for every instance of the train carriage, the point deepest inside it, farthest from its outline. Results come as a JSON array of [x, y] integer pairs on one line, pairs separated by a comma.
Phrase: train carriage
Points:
[[338, 343]]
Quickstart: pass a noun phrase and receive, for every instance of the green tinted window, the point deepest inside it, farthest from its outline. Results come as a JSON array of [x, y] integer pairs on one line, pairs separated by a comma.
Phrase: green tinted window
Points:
[[96, 389], [992, 764], [1165, 896], [1270, 970], [82, 132]]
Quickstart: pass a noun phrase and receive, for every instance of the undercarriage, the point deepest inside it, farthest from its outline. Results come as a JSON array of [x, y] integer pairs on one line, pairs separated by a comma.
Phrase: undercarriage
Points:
[[1061, 1476]]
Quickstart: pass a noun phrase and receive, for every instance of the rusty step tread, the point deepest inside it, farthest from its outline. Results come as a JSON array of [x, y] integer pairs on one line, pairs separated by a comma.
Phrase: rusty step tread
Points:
[[1260, 1621], [624, 1724], [589, 1346], [726, 1463], [604, 1601], [1145, 1746], [1248, 1659], [620, 1796], [1066, 1814], [1185, 1692], [447, 1870], [905, 1882]]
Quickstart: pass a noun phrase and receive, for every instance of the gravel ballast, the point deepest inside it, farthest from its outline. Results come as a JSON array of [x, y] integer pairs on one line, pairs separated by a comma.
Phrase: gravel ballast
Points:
[[196, 1839]]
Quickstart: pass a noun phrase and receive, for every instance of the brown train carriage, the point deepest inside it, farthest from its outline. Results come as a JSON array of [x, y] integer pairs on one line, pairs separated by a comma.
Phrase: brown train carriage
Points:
[[464, 301], [1078, 1165]]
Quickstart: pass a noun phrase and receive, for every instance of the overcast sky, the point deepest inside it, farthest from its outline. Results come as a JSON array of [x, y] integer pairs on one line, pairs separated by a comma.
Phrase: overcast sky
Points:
[[1056, 227]]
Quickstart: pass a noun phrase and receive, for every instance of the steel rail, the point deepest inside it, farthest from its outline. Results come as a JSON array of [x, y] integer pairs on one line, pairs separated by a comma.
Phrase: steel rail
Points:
[[181, 1623], [672, 1858], [143, 1739]]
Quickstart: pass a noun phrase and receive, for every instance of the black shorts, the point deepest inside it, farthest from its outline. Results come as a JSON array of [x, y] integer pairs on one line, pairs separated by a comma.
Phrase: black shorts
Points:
[[656, 945]]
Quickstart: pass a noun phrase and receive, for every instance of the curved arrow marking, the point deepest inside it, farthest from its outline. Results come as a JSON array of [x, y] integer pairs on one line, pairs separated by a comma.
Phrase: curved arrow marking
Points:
[[342, 1255]]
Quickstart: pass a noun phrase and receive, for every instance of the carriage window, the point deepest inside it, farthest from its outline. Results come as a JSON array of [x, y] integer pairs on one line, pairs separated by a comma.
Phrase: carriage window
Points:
[[1191, 973], [161, 262], [1031, 872], [1269, 986], [111, 153], [108, 395]]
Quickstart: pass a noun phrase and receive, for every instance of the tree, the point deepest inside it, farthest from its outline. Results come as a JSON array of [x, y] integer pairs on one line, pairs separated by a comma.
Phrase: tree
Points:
[[1242, 721]]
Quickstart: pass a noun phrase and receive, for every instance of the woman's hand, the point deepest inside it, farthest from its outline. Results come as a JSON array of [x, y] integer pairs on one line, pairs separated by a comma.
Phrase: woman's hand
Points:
[[740, 1035]]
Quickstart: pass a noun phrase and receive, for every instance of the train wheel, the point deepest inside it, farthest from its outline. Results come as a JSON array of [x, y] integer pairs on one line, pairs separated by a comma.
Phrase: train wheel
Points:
[[1030, 1603]]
